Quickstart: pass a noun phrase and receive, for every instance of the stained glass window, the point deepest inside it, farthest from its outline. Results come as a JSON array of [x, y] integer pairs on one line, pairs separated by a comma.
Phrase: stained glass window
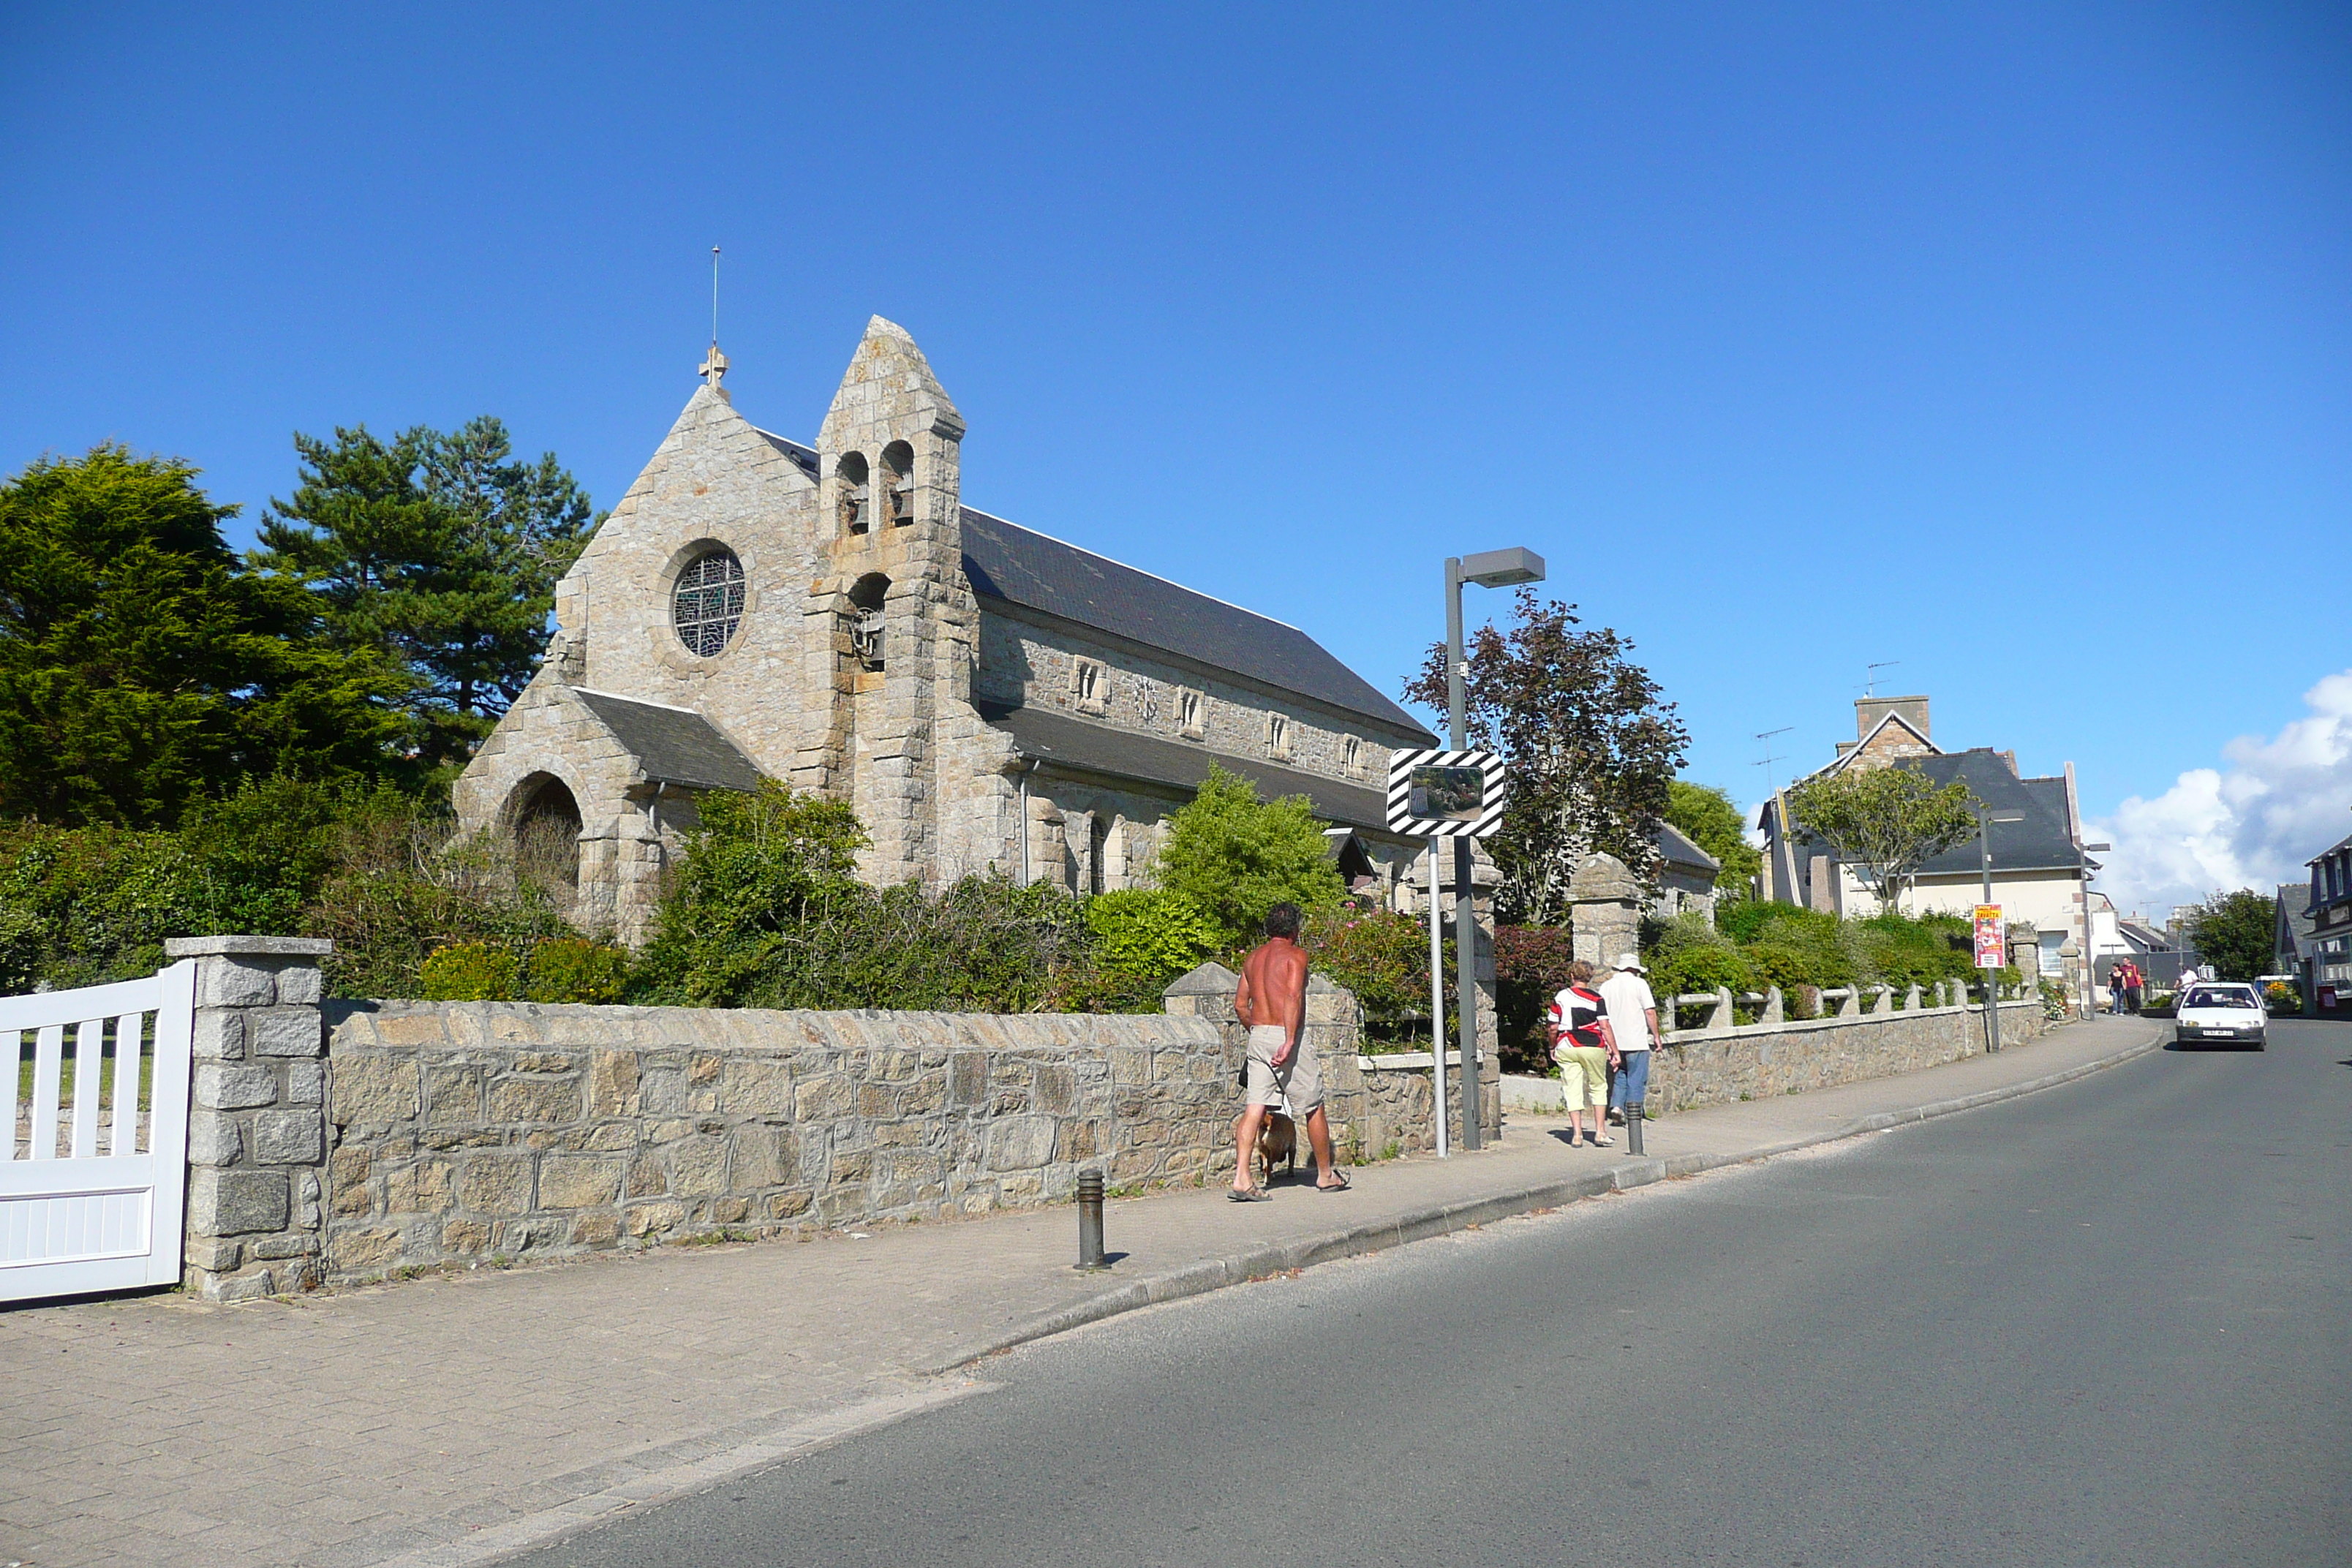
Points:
[[709, 605]]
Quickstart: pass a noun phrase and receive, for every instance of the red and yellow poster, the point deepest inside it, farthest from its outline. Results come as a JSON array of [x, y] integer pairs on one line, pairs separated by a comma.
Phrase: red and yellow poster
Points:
[[1988, 945]]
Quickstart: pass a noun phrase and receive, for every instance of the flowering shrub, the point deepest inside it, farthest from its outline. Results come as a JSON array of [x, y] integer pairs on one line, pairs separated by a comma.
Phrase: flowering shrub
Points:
[[1383, 958]]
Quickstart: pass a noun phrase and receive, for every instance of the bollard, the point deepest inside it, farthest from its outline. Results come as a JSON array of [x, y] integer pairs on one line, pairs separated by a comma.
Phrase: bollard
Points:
[[1633, 1126], [1090, 1221]]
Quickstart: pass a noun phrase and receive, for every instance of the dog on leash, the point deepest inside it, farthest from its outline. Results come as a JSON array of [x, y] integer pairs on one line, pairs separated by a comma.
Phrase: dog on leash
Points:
[[1278, 1140]]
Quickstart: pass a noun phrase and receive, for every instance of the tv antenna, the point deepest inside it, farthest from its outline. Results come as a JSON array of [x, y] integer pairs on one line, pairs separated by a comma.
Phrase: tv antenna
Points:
[[1768, 759], [1870, 682]]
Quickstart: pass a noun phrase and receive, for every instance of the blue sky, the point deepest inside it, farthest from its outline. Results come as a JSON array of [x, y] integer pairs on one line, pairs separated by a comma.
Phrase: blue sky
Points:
[[2013, 343]]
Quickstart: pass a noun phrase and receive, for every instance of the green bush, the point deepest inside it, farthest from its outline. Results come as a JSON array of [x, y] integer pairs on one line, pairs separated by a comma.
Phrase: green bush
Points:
[[1235, 857], [756, 865], [1150, 933], [469, 971], [574, 969], [1755, 944], [1382, 956], [1687, 954]]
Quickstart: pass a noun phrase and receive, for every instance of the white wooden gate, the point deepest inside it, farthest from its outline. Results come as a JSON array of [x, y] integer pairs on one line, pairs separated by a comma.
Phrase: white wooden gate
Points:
[[74, 1216]]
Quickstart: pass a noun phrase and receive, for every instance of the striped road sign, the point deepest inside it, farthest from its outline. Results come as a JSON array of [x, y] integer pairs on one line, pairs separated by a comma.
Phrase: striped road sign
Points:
[[1446, 794]]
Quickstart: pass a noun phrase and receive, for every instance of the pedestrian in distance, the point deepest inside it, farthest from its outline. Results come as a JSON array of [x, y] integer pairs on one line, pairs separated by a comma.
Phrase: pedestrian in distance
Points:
[[1631, 1027], [1272, 1000], [2132, 983], [1578, 1046]]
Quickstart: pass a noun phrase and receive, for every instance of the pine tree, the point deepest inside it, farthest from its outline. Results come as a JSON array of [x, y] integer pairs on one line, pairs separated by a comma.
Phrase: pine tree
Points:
[[140, 670], [441, 551]]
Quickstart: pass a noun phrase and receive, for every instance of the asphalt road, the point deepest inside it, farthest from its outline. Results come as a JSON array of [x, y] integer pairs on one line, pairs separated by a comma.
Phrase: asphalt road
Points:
[[2107, 1323]]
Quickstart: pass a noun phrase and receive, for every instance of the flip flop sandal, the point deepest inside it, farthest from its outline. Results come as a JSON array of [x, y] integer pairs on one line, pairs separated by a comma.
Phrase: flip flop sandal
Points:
[[1248, 1196], [1341, 1186]]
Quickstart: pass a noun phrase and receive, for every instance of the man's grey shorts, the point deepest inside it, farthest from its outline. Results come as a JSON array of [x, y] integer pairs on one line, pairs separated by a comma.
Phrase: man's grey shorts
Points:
[[1300, 1079]]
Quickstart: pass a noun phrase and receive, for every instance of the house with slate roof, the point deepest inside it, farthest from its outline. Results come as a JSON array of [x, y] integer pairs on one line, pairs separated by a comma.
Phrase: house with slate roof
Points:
[[2329, 956], [2039, 873], [832, 614]]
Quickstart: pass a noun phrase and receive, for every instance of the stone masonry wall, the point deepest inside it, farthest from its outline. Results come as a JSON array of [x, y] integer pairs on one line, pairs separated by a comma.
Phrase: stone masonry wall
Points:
[[1713, 1067], [257, 1138], [468, 1130], [1710, 1067]]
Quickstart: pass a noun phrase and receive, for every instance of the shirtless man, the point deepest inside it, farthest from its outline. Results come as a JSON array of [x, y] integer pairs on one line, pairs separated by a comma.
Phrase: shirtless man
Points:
[[1272, 1000]]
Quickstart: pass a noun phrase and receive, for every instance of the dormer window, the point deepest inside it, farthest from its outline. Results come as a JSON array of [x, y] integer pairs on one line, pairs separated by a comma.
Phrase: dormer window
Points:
[[898, 468], [855, 493]]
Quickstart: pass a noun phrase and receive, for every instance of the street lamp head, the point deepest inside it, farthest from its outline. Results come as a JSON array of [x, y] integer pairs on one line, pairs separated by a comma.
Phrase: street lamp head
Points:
[[2004, 817], [1503, 568], [2098, 848]]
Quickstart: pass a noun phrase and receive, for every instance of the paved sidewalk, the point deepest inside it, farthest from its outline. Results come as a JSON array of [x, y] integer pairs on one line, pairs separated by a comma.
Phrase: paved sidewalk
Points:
[[448, 1421]]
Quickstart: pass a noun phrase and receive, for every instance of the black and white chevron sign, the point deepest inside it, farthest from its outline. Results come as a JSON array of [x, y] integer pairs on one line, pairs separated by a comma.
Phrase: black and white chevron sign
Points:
[[1446, 794]]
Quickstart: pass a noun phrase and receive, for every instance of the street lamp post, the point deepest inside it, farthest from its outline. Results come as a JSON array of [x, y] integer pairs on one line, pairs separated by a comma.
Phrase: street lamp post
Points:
[[1992, 976], [2090, 959], [1489, 569]]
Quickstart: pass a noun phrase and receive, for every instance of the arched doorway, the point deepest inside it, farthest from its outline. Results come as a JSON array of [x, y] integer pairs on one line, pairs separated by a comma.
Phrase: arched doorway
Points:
[[547, 836]]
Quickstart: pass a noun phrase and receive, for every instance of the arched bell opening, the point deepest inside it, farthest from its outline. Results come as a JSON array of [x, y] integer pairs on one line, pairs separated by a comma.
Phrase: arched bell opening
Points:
[[867, 597], [899, 469]]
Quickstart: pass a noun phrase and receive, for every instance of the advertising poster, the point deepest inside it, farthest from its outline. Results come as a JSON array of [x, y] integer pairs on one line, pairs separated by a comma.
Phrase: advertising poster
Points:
[[1988, 945]]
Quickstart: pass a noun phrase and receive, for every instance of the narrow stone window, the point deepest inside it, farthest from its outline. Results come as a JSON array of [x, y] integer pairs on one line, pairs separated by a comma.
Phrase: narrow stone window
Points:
[[1351, 755], [1189, 710], [898, 464], [851, 479], [1277, 735], [707, 605], [1097, 852], [866, 618], [1087, 686]]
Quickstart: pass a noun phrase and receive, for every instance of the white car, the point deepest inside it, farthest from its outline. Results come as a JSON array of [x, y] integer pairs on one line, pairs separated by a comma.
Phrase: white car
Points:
[[2212, 1011]]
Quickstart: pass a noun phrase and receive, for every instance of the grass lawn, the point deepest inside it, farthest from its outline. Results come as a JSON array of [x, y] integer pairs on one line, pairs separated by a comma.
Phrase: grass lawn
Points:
[[65, 1077]]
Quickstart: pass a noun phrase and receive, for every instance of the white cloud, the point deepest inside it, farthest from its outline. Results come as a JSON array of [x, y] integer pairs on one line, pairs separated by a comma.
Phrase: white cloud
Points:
[[2251, 824]]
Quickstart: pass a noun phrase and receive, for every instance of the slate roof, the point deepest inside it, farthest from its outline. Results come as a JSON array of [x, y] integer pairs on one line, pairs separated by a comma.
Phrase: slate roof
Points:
[[1074, 745], [1021, 566], [1683, 854], [672, 745], [2042, 842], [1006, 561], [2294, 912]]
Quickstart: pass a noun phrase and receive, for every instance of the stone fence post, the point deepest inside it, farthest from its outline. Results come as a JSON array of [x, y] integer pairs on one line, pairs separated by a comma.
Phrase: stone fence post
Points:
[[1606, 918], [257, 1133]]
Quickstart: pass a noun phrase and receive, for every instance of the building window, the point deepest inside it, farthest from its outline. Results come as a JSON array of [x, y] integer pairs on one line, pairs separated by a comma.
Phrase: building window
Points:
[[865, 619], [1351, 755], [707, 604], [1087, 686], [1190, 710], [1097, 852], [850, 477], [1278, 736], [898, 466]]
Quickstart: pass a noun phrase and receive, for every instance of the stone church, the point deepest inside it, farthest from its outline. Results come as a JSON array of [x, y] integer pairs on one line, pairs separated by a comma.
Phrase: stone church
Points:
[[832, 616]]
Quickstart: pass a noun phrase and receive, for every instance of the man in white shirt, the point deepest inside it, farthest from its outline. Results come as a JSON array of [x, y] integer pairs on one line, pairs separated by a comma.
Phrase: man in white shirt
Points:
[[1632, 1027]]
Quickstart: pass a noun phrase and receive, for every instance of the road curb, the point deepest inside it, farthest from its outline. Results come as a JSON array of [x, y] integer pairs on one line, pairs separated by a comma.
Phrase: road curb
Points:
[[1442, 1219]]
